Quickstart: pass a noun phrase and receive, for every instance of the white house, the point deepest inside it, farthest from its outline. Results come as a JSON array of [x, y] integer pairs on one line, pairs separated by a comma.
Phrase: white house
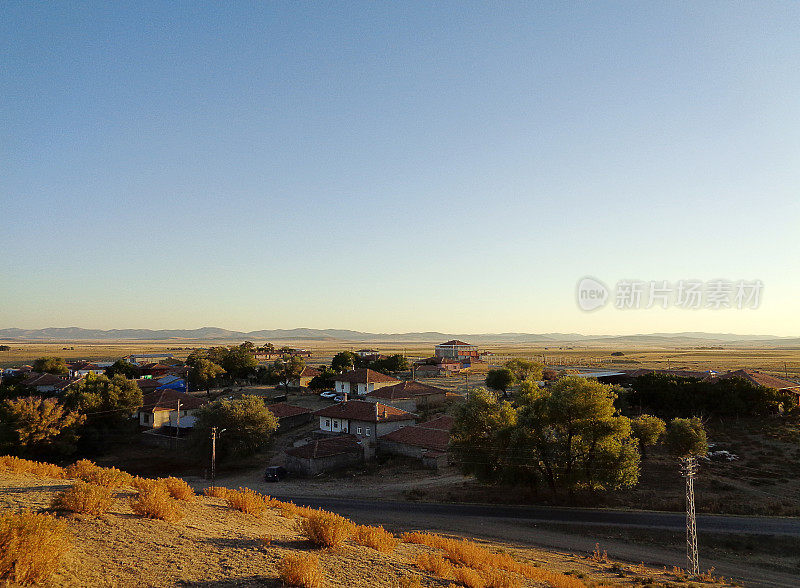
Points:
[[362, 381]]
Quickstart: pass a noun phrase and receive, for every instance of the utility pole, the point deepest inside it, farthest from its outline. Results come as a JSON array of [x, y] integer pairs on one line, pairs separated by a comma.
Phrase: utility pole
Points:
[[178, 424], [213, 453], [689, 471]]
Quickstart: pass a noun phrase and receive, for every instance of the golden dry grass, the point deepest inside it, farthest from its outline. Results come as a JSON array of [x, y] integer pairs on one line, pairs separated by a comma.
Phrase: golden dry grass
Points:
[[436, 564], [31, 547], [247, 501], [88, 471], [179, 489], [37, 468], [377, 538], [325, 529], [154, 502], [302, 570], [216, 492], [84, 498]]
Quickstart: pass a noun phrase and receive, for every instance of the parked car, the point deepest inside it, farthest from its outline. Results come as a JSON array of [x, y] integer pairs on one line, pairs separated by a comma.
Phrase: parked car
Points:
[[328, 394], [274, 474], [339, 398]]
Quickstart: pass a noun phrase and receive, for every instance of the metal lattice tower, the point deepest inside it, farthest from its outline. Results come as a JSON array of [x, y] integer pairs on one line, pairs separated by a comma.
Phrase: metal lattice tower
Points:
[[689, 471]]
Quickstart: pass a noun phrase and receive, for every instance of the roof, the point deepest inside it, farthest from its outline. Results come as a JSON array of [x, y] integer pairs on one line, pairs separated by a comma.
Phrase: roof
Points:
[[363, 375], [679, 373], [281, 410], [309, 372], [761, 379], [84, 365], [326, 447], [453, 342], [409, 389], [361, 410], [433, 439], [36, 380], [167, 399], [443, 422]]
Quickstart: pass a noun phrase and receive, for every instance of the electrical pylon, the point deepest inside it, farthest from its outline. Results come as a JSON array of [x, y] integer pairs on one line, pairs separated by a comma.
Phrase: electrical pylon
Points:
[[689, 471]]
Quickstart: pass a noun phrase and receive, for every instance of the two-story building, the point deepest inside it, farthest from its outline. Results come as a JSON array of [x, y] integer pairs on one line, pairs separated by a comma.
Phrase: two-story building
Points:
[[361, 382], [168, 408]]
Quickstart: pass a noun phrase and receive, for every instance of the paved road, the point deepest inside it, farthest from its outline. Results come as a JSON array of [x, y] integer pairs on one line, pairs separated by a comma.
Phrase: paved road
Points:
[[418, 511]]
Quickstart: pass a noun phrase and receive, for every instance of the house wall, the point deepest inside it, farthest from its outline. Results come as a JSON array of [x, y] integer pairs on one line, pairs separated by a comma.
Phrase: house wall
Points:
[[333, 425], [291, 422], [433, 460], [311, 467]]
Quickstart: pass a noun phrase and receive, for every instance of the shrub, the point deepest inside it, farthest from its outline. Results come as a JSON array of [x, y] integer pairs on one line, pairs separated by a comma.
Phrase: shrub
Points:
[[84, 498], [301, 570], [216, 492], [147, 484], [470, 578], [247, 501], [90, 472], [31, 547], [326, 529], [179, 489], [25, 466], [375, 537], [436, 564], [154, 502]]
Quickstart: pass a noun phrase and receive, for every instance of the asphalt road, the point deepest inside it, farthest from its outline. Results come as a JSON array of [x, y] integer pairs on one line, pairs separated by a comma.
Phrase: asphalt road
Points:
[[416, 513]]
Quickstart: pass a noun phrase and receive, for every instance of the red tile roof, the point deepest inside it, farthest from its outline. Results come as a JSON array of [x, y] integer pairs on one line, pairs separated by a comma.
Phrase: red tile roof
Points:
[[35, 380], [443, 422], [167, 399], [760, 379], [281, 410], [361, 410], [432, 439], [403, 390], [326, 447], [309, 372], [453, 342], [362, 375]]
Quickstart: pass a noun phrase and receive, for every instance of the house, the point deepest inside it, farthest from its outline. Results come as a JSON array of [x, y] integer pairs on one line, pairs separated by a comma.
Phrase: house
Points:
[[362, 381], [304, 378], [147, 385], [366, 420], [323, 455], [438, 366], [410, 396], [426, 441], [290, 416], [168, 407], [762, 379], [144, 358], [455, 349], [155, 370], [84, 368], [48, 383]]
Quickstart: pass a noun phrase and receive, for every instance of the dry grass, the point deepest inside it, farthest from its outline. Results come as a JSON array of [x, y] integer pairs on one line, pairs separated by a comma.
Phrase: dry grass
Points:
[[436, 564], [31, 547], [37, 468], [375, 537], [90, 472], [302, 570], [84, 498], [325, 529], [154, 502], [247, 501], [179, 489], [216, 492], [470, 578]]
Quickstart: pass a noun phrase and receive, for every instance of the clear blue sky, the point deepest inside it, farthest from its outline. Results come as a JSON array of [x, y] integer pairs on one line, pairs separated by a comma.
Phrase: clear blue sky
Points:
[[395, 166]]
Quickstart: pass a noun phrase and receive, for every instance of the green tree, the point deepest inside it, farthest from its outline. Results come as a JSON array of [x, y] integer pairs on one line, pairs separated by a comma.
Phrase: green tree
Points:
[[34, 425], [239, 361], [288, 368], [648, 430], [324, 381], [523, 369], [51, 365], [393, 363], [686, 438], [480, 434], [205, 372], [248, 424], [124, 368], [570, 436], [344, 361], [499, 379], [106, 401]]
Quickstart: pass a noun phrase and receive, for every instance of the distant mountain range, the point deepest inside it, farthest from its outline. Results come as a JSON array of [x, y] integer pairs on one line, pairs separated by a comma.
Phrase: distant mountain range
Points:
[[692, 339]]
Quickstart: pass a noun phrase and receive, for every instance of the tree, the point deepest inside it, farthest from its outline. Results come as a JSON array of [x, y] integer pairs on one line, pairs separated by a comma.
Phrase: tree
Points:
[[124, 368], [344, 361], [480, 433], [239, 361], [523, 369], [570, 436], [686, 438], [499, 379], [248, 425], [648, 430], [5, 348], [51, 365], [393, 363], [106, 401], [204, 372], [324, 381], [288, 368], [34, 425]]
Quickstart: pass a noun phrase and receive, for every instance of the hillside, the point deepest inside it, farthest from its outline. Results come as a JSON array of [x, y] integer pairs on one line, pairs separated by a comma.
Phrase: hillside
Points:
[[214, 545]]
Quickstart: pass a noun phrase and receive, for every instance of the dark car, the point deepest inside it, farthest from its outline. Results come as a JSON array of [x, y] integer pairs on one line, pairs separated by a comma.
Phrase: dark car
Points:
[[274, 474]]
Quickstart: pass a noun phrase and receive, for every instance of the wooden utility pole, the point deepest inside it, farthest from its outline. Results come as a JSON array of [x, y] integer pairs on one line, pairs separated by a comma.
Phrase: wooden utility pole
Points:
[[213, 453], [178, 423]]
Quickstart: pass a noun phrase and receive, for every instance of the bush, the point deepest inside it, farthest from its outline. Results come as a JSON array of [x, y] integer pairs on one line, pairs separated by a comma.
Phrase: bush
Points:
[[154, 502], [436, 564], [375, 537], [90, 472], [179, 489], [247, 501], [470, 578], [326, 529], [84, 498], [17, 465], [216, 492], [31, 547], [301, 570]]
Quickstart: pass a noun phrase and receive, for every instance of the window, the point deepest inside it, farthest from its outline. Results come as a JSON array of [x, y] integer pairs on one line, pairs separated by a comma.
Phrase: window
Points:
[[367, 432], [335, 424], [327, 423], [358, 430]]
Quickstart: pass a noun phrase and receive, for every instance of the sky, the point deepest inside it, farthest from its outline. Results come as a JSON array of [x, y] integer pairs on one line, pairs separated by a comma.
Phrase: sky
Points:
[[396, 167]]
